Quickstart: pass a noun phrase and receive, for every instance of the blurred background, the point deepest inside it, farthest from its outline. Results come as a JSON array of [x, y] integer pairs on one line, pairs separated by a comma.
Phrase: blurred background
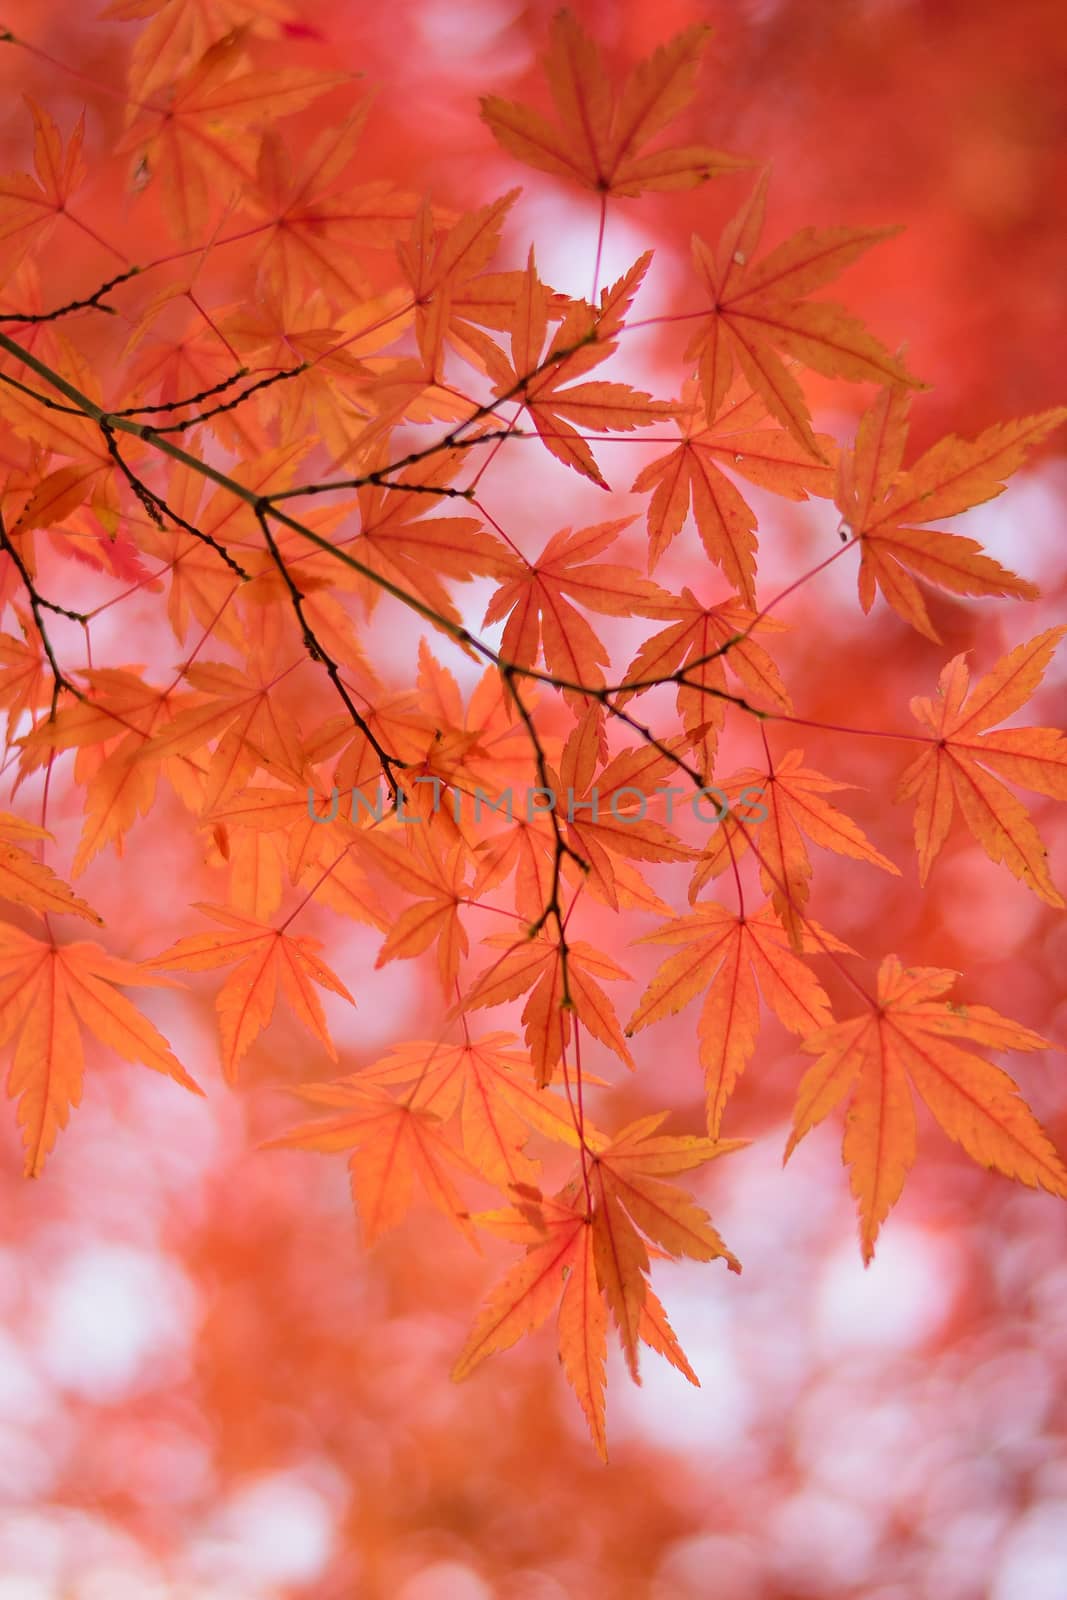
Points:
[[208, 1389]]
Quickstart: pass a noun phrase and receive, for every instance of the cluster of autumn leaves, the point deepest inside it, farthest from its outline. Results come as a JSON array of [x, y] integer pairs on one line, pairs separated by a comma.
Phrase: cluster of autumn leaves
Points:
[[328, 352]]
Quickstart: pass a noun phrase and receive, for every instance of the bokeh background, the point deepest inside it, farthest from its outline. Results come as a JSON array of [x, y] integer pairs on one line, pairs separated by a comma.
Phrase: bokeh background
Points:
[[208, 1389]]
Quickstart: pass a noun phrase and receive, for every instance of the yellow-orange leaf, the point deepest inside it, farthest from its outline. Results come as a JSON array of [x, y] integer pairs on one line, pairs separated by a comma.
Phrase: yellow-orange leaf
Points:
[[692, 644], [880, 504], [491, 1084], [265, 956], [759, 309], [391, 1144], [31, 207], [541, 600], [791, 796], [536, 965], [600, 138], [439, 881], [907, 1042], [201, 146], [693, 475], [954, 770], [47, 994], [526, 1296], [729, 956], [585, 338], [30, 883]]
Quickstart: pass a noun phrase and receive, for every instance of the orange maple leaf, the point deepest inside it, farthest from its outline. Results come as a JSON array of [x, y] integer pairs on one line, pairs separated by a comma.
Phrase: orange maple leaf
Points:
[[24, 674], [632, 1203], [265, 955], [692, 474], [391, 1142], [792, 797], [490, 1084], [907, 1036], [201, 145], [89, 475], [535, 376], [31, 207], [180, 32], [758, 308], [111, 727], [46, 991], [318, 222], [404, 546], [880, 503], [954, 770], [558, 1267], [686, 650], [601, 825], [601, 136], [239, 712], [536, 964], [438, 879], [728, 955], [600, 1260], [456, 298], [538, 602], [30, 883]]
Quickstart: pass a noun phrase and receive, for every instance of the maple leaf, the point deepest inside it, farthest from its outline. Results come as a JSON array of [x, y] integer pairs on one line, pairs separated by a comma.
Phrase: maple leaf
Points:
[[907, 1039], [490, 1083], [110, 727], [247, 435], [455, 297], [687, 650], [31, 207], [692, 474], [539, 604], [527, 849], [265, 955], [791, 795], [954, 771], [536, 377], [200, 584], [729, 955], [201, 145], [601, 824], [182, 30], [46, 991], [172, 353], [331, 361], [89, 474], [309, 849], [631, 1196], [583, 1259], [438, 879], [30, 883], [559, 1266], [879, 503], [404, 546], [255, 865], [759, 308], [239, 711], [23, 675], [601, 137], [391, 1143], [536, 964], [482, 745], [317, 222]]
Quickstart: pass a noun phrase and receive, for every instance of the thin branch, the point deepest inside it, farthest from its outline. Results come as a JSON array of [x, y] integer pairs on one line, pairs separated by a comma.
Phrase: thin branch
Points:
[[89, 303], [38, 604], [317, 652]]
